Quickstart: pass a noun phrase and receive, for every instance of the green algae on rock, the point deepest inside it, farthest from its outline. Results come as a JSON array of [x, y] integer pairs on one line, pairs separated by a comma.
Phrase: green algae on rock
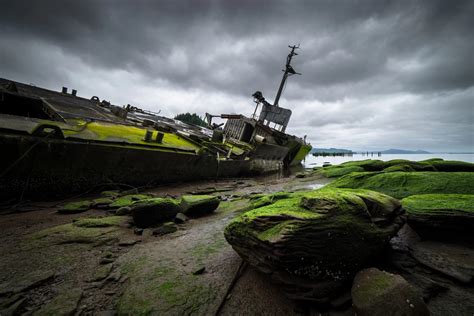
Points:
[[198, 205], [376, 293], [403, 184], [75, 207], [105, 221], [435, 164], [402, 167], [128, 200], [150, 212], [103, 202], [339, 171], [314, 242], [260, 200], [444, 216]]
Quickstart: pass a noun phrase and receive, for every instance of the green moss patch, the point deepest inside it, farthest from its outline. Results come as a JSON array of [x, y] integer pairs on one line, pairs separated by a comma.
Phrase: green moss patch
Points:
[[403, 184], [106, 221], [436, 204], [402, 167], [127, 200], [75, 207], [101, 202], [339, 171], [367, 165], [259, 200]]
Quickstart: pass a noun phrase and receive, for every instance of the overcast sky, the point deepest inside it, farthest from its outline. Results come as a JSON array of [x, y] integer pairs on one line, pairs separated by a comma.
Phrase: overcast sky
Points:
[[376, 74]]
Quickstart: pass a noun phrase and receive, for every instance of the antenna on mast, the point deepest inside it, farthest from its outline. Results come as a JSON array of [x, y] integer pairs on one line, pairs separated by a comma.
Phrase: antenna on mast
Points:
[[288, 71]]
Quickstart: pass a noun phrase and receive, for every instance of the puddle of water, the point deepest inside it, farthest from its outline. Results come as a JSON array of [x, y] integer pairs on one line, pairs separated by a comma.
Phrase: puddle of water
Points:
[[314, 186]]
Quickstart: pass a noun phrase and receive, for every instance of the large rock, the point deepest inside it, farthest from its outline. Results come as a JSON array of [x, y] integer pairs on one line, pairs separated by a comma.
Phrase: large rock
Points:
[[198, 205], [314, 242], [404, 184], [378, 293], [149, 212], [441, 216], [453, 260], [75, 207]]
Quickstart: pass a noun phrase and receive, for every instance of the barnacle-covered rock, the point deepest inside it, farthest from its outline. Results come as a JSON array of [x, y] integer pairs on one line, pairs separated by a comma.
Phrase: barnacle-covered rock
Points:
[[315, 242]]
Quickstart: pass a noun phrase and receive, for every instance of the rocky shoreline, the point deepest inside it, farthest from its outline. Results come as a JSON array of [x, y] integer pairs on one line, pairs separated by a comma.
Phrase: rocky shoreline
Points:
[[381, 238]]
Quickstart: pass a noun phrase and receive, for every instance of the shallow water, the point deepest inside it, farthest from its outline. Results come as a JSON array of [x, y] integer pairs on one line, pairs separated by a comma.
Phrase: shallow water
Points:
[[312, 161]]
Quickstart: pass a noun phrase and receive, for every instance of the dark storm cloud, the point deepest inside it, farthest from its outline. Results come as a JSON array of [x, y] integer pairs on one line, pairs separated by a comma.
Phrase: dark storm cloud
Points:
[[362, 54]]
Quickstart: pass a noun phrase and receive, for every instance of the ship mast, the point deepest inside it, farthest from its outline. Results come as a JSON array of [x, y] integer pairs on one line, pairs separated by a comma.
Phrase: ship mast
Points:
[[288, 71]]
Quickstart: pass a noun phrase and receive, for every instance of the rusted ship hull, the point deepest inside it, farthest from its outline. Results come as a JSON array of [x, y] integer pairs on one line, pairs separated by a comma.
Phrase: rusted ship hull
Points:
[[55, 167]]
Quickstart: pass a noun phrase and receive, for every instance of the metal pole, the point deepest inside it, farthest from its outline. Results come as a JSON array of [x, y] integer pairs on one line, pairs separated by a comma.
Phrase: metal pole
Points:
[[287, 70]]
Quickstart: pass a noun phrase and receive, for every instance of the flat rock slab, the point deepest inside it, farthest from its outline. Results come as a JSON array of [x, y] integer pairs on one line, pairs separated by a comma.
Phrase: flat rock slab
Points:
[[376, 292], [453, 260]]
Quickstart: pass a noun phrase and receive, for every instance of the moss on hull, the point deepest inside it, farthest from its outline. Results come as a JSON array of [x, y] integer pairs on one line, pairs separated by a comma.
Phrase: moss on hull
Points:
[[403, 184]]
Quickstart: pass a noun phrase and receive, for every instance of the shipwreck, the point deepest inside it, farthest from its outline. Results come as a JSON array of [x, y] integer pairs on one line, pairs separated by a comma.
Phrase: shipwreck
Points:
[[56, 142]]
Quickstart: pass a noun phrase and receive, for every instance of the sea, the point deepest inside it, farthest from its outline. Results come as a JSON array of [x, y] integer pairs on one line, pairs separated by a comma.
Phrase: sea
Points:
[[312, 161]]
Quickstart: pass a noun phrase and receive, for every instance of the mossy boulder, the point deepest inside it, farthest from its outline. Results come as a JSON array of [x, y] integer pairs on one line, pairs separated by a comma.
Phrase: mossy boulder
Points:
[[198, 205], [314, 242], [379, 293], [150, 212], [403, 184], [75, 207], [101, 202], [128, 200], [441, 216]]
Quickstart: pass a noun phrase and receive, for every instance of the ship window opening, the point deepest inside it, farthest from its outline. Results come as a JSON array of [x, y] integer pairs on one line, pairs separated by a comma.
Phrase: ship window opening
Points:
[[22, 106], [247, 133]]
